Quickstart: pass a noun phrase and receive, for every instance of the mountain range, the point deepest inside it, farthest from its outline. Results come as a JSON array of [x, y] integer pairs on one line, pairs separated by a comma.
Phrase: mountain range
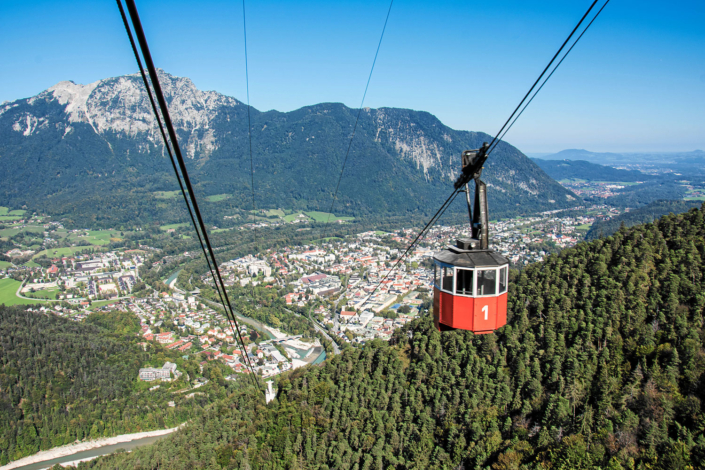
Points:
[[695, 157], [93, 154]]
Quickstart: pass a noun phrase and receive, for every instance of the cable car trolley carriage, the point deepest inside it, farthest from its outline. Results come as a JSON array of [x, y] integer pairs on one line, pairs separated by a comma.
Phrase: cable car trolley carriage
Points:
[[470, 280]]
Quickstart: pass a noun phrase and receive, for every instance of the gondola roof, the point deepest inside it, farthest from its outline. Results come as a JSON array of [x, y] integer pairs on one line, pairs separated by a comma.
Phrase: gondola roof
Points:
[[470, 258]]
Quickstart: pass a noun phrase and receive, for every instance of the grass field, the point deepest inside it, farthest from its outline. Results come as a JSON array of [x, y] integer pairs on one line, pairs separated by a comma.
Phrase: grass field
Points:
[[174, 226], [9, 218], [291, 217], [327, 239], [8, 289], [311, 215], [6, 212], [583, 227], [5, 264], [270, 213], [695, 198], [325, 217], [97, 237], [217, 197], [166, 194], [67, 251], [44, 294], [379, 233], [12, 231]]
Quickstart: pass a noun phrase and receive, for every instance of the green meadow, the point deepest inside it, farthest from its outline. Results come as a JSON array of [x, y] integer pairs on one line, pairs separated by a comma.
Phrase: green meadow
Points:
[[66, 251], [166, 194], [8, 289], [217, 197], [291, 217], [326, 217], [96, 237], [174, 226]]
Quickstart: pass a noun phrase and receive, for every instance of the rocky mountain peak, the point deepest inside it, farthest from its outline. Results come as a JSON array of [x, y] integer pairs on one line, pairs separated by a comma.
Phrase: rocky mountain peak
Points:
[[103, 136], [74, 96], [121, 105]]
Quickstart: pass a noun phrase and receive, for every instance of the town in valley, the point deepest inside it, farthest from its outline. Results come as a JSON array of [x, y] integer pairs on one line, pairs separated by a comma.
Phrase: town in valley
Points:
[[345, 288]]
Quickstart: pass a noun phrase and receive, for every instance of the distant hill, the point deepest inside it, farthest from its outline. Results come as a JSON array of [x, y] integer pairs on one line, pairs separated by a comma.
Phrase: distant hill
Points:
[[696, 156], [642, 194], [93, 154], [601, 365], [679, 161], [670, 184], [581, 169], [585, 155]]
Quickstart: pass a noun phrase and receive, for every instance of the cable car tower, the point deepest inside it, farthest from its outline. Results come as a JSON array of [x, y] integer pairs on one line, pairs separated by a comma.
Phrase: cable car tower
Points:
[[470, 279]]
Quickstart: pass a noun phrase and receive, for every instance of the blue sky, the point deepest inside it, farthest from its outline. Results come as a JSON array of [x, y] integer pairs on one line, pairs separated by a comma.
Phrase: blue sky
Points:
[[636, 81]]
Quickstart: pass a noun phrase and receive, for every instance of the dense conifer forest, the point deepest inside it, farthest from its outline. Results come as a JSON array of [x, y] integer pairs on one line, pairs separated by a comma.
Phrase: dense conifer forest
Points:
[[600, 367], [62, 381], [641, 215]]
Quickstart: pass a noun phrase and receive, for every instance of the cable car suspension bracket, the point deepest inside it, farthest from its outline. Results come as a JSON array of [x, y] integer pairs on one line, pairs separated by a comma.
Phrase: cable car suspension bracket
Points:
[[472, 163]]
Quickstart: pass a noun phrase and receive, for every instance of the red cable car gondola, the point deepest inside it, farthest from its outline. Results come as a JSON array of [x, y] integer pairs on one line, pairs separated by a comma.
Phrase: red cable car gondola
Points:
[[470, 280]]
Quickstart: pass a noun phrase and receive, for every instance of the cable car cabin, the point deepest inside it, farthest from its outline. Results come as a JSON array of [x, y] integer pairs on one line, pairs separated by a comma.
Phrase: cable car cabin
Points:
[[470, 289], [470, 280]]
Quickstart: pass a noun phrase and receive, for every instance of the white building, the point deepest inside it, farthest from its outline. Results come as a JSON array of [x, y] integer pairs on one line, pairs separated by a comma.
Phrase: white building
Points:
[[152, 373]]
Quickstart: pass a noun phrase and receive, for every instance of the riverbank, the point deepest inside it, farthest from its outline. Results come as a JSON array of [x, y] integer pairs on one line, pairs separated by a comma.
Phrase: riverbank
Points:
[[70, 449]]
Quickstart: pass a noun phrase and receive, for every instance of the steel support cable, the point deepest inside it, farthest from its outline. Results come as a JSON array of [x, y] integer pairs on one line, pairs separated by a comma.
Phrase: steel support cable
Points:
[[544, 71], [168, 148], [169, 152], [445, 206], [430, 223], [249, 133], [184, 172], [166, 144], [549, 76], [357, 119]]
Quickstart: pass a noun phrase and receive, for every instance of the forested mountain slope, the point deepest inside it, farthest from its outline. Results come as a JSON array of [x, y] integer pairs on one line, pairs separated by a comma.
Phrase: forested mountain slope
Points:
[[581, 169], [61, 381], [641, 215], [93, 154], [600, 366]]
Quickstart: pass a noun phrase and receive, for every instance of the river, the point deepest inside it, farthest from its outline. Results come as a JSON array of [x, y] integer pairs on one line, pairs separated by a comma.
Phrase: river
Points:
[[261, 327], [171, 278], [321, 357], [92, 453], [254, 323]]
